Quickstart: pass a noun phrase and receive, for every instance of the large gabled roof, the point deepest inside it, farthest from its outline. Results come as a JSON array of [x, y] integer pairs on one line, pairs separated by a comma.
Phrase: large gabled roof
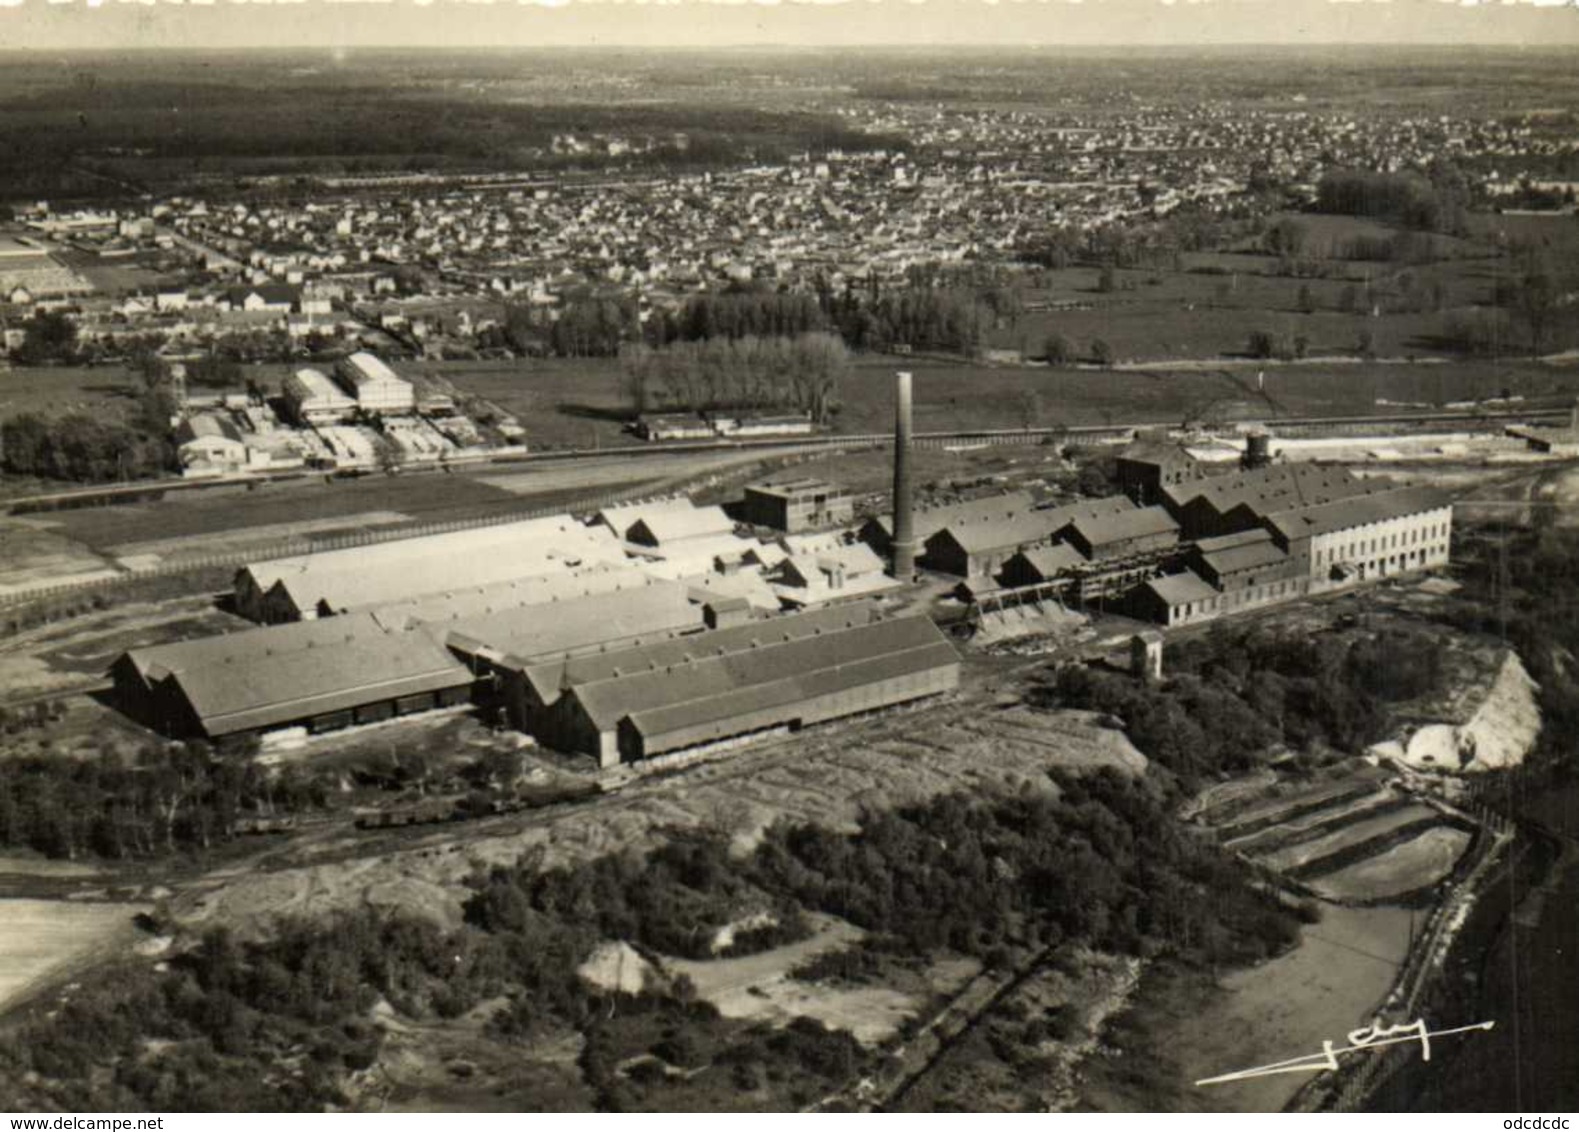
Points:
[[1120, 526], [158, 661], [1000, 534], [1271, 488], [1356, 511], [564, 628], [557, 584], [550, 677], [797, 674], [671, 525], [1049, 561], [928, 521], [620, 517], [244, 691], [724, 685], [402, 569], [1248, 556]]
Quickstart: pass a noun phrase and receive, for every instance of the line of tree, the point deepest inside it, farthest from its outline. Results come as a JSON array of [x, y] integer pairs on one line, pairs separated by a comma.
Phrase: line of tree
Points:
[[86, 448], [163, 799], [742, 314], [800, 373], [1240, 692], [1410, 200], [49, 338]]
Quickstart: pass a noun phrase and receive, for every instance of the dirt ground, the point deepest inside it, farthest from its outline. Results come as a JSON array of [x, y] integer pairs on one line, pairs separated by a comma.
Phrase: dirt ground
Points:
[[44, 937], [827, 776], [1184, 1028], [1303, 853], [72, 655], [32, 554], [1412, 865], [758, 987]]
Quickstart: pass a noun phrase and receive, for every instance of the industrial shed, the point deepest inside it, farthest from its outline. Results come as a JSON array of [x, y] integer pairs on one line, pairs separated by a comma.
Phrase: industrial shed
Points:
[[1121, 533], [1150, 465], [838, 655], [318, 676], [664, 528], [378, 389], [624, 618], [838, 573], [980, 547], [791, 686], [1178, 599], [452, 607], [1221, 505], [304, 586], [796, 503], [878, 531], [1041, 564]]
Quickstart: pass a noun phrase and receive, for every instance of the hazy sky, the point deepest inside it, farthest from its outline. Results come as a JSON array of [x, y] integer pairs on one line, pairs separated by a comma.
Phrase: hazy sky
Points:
[[56, 24]]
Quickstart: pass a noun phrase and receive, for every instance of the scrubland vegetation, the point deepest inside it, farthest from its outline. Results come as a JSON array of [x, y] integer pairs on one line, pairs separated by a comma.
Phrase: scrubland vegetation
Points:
[[279, 1024]]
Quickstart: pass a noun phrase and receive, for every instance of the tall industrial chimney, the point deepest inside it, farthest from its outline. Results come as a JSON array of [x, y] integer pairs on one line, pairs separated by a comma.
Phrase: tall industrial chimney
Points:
[[904, 561]]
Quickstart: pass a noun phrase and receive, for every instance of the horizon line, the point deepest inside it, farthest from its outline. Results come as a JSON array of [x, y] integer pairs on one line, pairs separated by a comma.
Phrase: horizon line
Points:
[[808, 45]]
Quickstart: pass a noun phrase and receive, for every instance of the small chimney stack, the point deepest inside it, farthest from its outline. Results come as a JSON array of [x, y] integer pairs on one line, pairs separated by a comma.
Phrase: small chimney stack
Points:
[[903, 565]]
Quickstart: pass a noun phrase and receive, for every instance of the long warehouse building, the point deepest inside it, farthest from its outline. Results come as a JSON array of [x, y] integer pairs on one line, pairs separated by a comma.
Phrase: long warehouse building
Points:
[[304, 586], [320, 675], [780, 673]]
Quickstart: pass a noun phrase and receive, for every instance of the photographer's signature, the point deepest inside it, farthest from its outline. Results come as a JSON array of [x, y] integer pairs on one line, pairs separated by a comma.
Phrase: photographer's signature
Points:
[[1373, 1036]]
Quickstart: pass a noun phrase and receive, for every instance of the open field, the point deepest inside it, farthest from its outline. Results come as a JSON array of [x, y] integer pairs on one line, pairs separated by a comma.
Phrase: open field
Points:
[[54, 390], [45, 937], [953, 396]]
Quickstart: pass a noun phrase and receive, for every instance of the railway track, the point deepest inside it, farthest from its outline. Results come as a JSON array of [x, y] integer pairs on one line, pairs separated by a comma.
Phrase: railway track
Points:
[[1075, 434]]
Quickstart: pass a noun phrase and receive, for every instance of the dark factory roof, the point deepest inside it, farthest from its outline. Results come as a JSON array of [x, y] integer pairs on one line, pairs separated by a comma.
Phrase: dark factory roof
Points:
[[1121, 526], [1048, 561], [927, 521], [796, 487], [1163, 453], [1247, 555], [733, 684], [159, 661], [560, 628], [549, 678], [1275, 487], [247, 690], [798, 673], [999, 533], [1356, 511]]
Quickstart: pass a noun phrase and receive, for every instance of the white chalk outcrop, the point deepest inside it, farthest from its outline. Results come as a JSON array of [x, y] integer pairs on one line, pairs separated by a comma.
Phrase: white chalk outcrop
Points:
[[1500, 733]]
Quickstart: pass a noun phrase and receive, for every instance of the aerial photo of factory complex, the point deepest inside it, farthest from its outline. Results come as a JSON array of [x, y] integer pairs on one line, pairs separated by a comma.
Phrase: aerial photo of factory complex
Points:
[[660, 626]]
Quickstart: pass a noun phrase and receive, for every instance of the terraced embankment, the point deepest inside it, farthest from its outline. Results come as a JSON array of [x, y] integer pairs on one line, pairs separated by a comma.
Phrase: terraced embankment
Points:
[[1357, 839]]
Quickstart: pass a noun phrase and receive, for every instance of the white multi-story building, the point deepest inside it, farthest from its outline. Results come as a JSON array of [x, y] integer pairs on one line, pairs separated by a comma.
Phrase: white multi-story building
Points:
[[312, 399], [376, 387]]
